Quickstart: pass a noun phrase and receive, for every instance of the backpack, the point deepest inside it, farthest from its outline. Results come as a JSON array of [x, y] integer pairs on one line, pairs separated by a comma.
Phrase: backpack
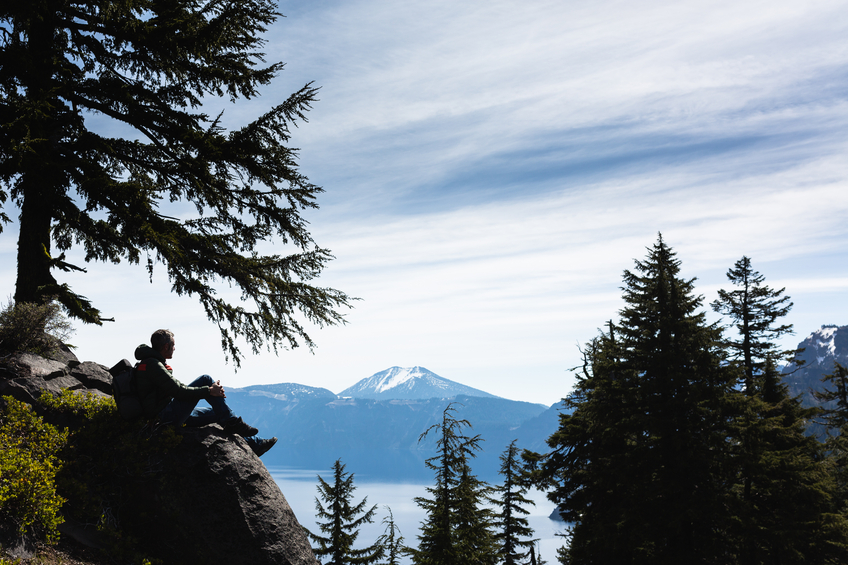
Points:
[[124, 390]]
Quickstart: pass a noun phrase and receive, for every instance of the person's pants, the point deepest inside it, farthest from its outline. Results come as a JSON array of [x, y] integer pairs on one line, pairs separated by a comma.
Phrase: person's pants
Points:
[[181, 412]]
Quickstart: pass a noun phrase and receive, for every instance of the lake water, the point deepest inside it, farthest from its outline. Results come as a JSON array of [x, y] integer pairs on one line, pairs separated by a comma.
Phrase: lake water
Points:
[[299, 487]]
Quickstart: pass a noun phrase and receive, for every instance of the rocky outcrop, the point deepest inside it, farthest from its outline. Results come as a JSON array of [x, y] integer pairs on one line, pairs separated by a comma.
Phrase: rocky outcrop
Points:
[[224, 507], [213, 500]]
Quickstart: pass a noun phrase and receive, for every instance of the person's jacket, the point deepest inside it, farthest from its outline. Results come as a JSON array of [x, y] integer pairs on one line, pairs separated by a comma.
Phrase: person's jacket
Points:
[[156, 384]]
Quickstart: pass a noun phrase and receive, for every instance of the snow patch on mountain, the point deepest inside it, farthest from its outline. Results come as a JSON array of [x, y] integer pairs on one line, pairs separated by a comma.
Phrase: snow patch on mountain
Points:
[[818, 352], [825, 342], [409, 383], [396, 376]]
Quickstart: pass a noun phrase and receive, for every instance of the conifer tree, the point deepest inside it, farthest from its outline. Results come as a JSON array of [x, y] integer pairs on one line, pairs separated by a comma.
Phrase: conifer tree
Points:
[[835, 418], [784, 510], [104, 146], [784, 493], [473, 539], [457, 528], [391, 540], [754, 309], [342, 521], [640, 467], [512, 529], [536, 557]]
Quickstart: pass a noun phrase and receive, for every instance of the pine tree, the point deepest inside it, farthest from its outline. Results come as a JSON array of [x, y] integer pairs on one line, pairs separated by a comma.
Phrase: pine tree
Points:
[[510, 523], [754, 309], [835, 418], [178, 187], [343, 521], [457, 528], [784, 511], [391, 540], [640, 467], [784, 493]]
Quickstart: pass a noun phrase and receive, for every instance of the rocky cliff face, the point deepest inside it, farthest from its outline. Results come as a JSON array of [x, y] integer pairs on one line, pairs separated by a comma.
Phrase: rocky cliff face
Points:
[[220, 504]]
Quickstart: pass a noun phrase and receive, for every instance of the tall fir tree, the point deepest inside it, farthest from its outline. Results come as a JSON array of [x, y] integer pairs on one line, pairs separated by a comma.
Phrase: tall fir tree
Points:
[[640, 467], [512, 529], [342, 521], [178, 187], [754, 309], [783, 491], [457, 527]]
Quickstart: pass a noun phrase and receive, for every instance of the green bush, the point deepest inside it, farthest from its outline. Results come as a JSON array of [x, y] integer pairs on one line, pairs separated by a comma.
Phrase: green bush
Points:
[[111, 468], [28, 466], [100, 469], [36, 328]]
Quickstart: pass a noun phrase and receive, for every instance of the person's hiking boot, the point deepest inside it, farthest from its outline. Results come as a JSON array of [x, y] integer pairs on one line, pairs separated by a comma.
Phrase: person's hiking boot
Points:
[[260, 447], [239, 427]]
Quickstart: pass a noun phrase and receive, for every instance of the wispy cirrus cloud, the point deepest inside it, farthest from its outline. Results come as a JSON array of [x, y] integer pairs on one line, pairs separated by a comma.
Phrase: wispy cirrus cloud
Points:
[[492, 167]]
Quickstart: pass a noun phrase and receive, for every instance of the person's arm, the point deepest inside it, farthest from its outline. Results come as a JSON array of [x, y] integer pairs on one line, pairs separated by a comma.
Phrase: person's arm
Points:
[[165, 381]]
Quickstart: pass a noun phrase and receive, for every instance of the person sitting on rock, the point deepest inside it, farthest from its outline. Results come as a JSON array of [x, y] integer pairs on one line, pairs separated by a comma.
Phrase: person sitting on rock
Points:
[[175, 403]]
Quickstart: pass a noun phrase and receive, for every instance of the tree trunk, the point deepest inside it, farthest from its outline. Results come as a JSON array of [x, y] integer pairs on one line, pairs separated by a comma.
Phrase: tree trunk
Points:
[[41, 180], [33, 242]]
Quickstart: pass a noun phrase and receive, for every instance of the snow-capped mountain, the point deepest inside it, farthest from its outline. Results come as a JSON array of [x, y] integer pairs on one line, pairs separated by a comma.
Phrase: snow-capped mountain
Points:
[[821, 350], [414, 383]]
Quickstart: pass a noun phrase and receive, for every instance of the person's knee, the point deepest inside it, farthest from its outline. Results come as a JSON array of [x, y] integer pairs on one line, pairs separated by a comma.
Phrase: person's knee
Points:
[[204, 380]]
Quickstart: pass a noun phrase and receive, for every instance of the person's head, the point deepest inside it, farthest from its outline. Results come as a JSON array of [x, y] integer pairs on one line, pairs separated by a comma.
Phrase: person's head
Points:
[[163, 342]]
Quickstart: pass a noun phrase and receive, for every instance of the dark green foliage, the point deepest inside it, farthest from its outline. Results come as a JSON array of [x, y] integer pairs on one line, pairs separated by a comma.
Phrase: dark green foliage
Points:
[[754, 309], [343, 521], [641, 466], [784, 507], [178, 187], [110, 466], [684, 446], [835, 419], [457, 528], [29, 503], [34, 328], [512, 529]]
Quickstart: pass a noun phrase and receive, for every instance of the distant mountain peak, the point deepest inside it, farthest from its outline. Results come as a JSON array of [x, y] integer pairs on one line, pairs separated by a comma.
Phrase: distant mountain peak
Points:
[[409, 383], [819, 352], [396, 376], [825, 340]]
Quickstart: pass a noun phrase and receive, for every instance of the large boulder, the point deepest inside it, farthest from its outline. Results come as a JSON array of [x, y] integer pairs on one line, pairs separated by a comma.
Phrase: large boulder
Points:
[[92, 375], [221, 506], [209, 500]]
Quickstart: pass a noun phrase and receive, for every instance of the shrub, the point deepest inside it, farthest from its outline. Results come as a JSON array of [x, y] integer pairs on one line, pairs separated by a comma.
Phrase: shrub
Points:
[[28, 465], [35, 328], [91, 471], [111, 468]]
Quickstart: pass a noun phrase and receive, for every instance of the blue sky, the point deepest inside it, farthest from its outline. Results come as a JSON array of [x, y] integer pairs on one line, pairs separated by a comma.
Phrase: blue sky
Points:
[[491, 168]]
